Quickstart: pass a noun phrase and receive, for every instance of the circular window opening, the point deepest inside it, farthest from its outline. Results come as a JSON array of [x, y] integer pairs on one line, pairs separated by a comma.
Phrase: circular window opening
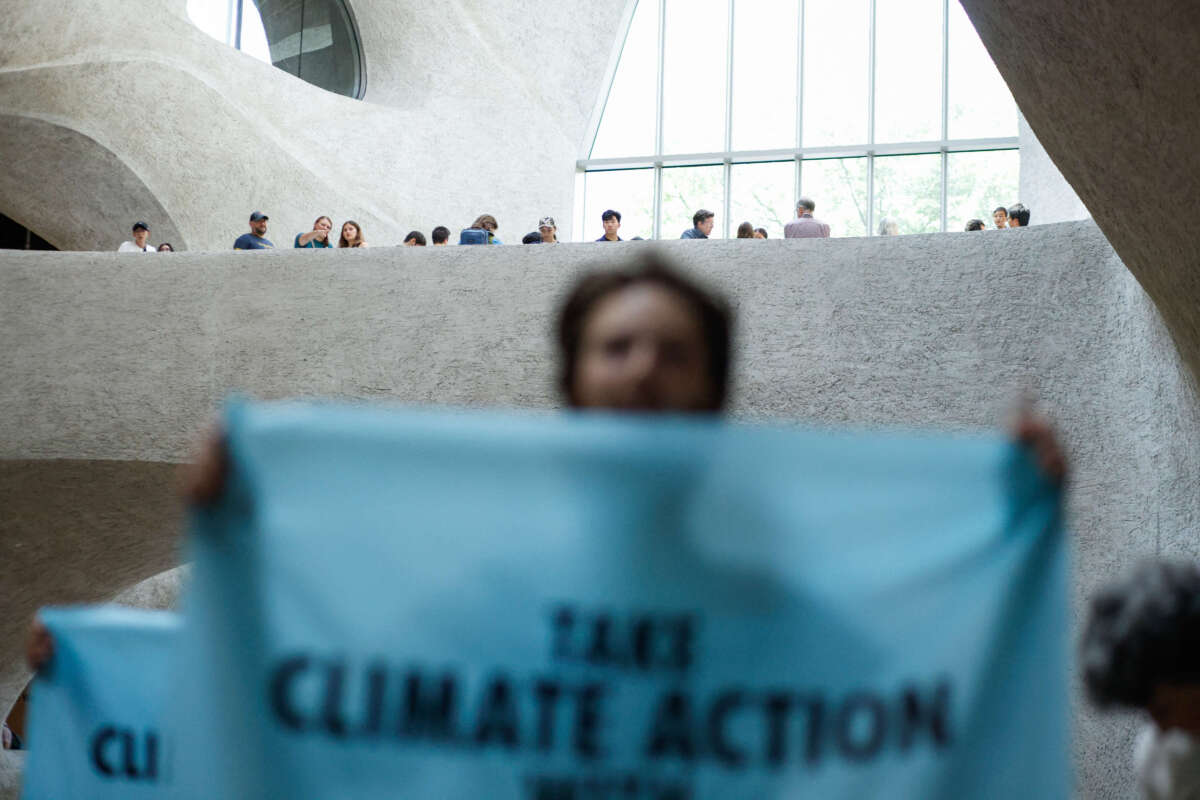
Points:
[[315, 40]]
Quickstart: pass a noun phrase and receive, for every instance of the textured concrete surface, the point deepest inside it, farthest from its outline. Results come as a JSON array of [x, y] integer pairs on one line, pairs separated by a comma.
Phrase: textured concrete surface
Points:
[[1109, 87], [174, 127], [1043, 189], [113, 363]]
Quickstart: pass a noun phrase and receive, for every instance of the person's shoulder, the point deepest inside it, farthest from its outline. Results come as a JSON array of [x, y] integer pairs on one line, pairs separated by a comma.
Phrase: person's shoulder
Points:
[[296, 242]]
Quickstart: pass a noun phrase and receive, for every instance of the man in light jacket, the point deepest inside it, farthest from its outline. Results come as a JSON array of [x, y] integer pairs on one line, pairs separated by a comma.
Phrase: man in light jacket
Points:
[[805, 226]]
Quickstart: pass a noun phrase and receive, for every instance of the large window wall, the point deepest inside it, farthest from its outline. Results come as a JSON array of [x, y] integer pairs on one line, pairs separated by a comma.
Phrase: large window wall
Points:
[[881, 111], [315, 40]]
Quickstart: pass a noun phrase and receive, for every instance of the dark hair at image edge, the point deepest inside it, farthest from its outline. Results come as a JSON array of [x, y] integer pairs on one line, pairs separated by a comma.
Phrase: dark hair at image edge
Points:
[[712, 311], [1142, 631]]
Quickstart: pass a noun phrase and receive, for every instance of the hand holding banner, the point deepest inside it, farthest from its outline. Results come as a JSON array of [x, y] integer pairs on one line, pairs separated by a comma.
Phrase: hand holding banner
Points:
[[437, 606]]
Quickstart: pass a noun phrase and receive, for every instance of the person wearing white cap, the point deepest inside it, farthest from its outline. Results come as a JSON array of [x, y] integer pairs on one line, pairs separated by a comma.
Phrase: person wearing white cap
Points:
[[141, 233], [547, 229]]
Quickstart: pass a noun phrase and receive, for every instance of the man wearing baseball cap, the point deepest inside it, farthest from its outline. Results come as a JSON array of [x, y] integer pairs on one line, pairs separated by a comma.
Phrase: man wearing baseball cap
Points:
[[141, 233], [254, 239], [548, 230]]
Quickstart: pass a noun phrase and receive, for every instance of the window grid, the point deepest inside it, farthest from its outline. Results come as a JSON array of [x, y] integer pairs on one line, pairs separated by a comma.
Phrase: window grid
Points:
[[729, 157]]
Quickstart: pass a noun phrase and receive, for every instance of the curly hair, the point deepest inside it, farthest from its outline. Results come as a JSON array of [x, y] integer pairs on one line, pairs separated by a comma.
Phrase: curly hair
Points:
[[1143, 631]]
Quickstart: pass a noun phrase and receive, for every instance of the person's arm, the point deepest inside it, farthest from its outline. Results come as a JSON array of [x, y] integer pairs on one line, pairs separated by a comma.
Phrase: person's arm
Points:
[[305, 238]]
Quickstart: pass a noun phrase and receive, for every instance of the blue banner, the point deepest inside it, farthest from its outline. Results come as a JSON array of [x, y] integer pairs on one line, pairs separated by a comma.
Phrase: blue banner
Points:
[[97, 711], [422, 605]]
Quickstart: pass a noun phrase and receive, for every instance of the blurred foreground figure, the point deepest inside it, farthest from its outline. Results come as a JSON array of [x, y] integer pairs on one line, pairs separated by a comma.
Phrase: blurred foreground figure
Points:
[[1141, 650]]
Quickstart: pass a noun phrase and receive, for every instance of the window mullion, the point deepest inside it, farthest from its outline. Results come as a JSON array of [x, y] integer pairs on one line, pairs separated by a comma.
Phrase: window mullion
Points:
[[658, 123]]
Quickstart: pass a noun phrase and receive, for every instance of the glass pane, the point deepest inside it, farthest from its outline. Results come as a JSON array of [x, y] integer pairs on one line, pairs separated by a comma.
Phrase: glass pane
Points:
[[254, 35], [686, 190], [763, 195], [694, 76], [839, 188], [908, 191], [630, 192], [981, 105], [978, 183], [328, 49], [627, 127], [835, 99], [764, 74], [908, 71], [214, 17]]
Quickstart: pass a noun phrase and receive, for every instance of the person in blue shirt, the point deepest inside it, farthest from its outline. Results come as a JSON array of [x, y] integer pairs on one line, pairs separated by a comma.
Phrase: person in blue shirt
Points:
[[318, 237], [702, 225], [254, 239], [612, 224]]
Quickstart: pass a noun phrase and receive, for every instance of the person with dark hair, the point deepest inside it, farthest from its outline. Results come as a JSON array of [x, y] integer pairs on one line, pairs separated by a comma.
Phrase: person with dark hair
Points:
[[1141, 650], [612, 223], [1000, 217], [533, 237], [1018, 216], [644, 337], [974, 225], [745, 231], [441, 236], [140, 243], [414, 239], [805, 225], [318, 237], [702, 225], [166, 247], [256, 238], [760, 233]]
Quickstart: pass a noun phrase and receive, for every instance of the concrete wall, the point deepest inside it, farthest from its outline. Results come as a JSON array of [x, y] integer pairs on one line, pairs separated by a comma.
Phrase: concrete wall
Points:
[[112, 363], [470, 108], [1109, 88], [1043, 189]]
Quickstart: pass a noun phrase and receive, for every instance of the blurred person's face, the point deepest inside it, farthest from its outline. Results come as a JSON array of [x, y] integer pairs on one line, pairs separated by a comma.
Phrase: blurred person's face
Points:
[[758, 235], [324, 226], [642, 349], [259, 226], [1001, 218], [611, 226], [410, 242], [140, 236], [707, 226], [547, 233], [1013, 222], [349, 231], [165, 248]]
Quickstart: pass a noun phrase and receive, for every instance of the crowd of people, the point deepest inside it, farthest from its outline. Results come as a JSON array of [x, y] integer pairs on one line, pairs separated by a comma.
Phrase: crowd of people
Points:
[[483, 230], [1015, 216]]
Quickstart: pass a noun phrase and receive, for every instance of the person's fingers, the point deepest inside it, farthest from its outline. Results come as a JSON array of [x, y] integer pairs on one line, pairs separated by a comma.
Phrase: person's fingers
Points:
[[203, 480], [1037, 434], [40, 647]]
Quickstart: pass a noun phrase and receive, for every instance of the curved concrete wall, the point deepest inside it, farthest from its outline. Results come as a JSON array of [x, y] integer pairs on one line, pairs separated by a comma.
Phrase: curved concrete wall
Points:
[[113, 362], [1109, 88], [467, 112]]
